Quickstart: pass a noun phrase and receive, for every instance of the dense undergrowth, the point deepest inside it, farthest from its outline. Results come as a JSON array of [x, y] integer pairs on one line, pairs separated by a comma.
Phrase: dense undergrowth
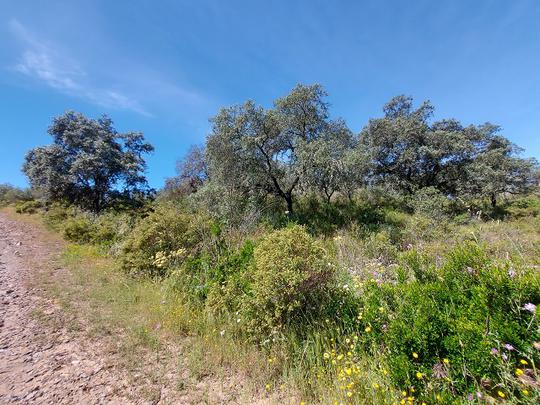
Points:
[[349, 302]]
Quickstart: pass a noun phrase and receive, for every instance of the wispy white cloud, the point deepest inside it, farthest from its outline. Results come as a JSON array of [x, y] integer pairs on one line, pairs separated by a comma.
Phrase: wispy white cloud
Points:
[[44, 61]]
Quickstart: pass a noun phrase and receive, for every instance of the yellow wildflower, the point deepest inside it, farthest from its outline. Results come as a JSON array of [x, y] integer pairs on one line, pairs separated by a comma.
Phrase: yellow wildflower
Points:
[[524, 362], [419, 375], [349, 394], [501, 394], [368, 329], [326, 356], [446, 361], [415, 355], [519, 371]]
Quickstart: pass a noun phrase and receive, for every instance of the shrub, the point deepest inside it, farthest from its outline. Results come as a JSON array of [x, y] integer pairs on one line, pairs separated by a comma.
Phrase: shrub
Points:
[[430, 201], [79, 229], [464, 311], [56, 214], [291, 273], [10, 194], [166, 237], [28, 207], [227, 283], [325, 218], [524, 207]]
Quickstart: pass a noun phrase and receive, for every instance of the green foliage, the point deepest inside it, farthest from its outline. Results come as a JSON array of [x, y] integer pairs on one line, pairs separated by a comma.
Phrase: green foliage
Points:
[[229, 283], [290, 276], [28, 207], [526, 206], [464, 311], [79, 229], [89, 163], [168, 236], [253, 153], [430, 201], [10, 194], [325, 218], [191, 175], [412, 153], [56, 213]]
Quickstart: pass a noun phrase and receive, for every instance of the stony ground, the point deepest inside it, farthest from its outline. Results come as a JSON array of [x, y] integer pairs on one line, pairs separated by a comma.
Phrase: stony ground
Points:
[[44, 361], [40, 361]]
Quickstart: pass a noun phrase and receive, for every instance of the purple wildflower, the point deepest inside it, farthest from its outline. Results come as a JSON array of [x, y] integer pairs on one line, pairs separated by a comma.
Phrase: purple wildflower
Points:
[[508, 347], [504, 356], [529, 306], [470, 397], [494, 351]]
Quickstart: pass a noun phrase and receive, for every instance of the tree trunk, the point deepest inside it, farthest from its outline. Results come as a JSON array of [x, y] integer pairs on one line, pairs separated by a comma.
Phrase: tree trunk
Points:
[[288, 198], [493, 200]]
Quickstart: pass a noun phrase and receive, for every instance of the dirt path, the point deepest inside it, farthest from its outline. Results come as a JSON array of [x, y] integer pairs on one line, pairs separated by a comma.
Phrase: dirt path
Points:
[[41, 362], [45, 360]]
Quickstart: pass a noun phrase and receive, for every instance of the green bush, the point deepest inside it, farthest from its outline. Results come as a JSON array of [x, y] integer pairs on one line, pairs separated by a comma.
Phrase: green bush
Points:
[[227, 283], [291, 273], [325, 218], [28, 207], [80, 229], [57, 213], [165, 238], [466, 311], [524, 207], [10, 194], [430, 201]]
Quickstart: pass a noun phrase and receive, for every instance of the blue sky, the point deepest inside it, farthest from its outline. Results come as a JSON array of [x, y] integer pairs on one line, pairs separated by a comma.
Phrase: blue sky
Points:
[[165, 67]]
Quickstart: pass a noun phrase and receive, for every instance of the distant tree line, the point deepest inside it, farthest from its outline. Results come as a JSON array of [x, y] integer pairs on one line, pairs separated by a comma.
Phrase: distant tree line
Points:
[[295, 148], [255, 156]]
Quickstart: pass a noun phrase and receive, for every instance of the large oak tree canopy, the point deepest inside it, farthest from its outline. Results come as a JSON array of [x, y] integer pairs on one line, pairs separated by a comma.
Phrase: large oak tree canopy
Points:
[[89, 163], [409, 152], [258, 151], [294, 148]]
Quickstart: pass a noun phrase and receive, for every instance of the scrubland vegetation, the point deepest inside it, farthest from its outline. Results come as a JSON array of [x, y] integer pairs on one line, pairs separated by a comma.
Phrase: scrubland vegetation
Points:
[[399, 265]]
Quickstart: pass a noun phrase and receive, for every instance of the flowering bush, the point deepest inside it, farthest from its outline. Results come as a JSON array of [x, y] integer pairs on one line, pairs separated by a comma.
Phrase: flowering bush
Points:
[[28, 207], [463, 326], [164, 238], [290, 275]]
